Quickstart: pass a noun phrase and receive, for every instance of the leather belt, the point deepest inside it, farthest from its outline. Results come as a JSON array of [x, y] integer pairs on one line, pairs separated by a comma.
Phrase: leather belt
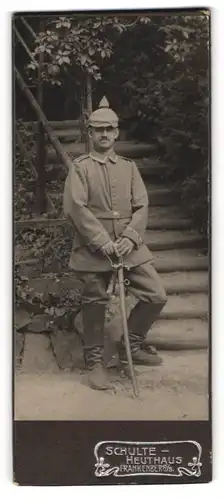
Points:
[[111, 215]]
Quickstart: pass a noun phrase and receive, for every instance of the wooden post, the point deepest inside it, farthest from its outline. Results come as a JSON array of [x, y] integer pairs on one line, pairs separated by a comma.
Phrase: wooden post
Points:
[[40, 142], [89, 106], [82, 115]]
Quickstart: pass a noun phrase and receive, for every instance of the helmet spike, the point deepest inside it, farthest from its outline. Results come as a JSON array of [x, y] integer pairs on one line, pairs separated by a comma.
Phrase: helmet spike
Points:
[[104, 103], [103, 116]]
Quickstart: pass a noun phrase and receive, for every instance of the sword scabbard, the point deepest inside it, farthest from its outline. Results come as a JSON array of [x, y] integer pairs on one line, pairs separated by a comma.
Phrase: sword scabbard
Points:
[[125, 329]]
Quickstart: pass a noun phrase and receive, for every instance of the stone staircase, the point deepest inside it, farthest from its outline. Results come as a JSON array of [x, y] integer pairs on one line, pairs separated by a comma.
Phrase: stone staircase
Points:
[[180, 258]]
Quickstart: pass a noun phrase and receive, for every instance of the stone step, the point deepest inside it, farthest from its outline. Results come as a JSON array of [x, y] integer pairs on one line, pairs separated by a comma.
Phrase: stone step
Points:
[[168, 223], [160, 240], [130, 149], [21, 318], [184, 305], [167, 335], [68, 350], [170, 335], [151, 167], [38, 355], [192, 305], [47, 353], [163, 211], [189, 259], [179, 334], [167, 217], [159, 196], [185, 282]]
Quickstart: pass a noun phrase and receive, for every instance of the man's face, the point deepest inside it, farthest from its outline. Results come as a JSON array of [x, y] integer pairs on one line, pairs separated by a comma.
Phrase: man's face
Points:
[[103, 137]]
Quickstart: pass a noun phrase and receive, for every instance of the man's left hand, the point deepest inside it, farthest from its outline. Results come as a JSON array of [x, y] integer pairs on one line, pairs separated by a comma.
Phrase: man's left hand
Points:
[[124, 246]]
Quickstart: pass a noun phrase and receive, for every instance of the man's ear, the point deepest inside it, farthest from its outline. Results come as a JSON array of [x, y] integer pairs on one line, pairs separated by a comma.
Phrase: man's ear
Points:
[[89, 132], [116, 133]]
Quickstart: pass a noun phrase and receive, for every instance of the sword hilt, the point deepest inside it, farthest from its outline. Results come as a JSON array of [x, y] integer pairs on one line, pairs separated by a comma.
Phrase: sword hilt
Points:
[[119, 264]]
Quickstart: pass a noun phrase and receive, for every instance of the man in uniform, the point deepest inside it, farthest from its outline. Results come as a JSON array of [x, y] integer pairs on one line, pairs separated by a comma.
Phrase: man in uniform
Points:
[[106, 200]]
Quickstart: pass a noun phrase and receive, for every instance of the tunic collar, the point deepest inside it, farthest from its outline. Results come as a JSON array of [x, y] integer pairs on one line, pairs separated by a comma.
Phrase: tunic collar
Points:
[[103, 159]]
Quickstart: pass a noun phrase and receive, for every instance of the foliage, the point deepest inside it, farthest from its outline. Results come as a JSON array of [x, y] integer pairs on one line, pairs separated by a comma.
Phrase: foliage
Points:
[[77, 45], [74, 48], [193, 192], [164, 97], [163, 82], [51, 246], [23, 199], [58, 308]]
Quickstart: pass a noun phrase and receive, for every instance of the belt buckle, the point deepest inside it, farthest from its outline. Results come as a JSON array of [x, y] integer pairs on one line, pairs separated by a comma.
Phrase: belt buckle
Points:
[[115, 214]]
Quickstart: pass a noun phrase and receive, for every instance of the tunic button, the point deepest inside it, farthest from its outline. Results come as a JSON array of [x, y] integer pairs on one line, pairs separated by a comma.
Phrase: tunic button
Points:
[[116, 214]]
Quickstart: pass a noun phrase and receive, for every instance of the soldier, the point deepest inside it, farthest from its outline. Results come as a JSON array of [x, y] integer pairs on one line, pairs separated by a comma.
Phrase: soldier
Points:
[[106, 200]]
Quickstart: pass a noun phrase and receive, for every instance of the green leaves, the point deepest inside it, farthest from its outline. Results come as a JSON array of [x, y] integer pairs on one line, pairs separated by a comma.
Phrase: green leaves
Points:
[[32, 66], [63, 60], [83, 59], [63, 22], [83, 44], [53, 69], [145, 20], [63, 57], [91, 50]]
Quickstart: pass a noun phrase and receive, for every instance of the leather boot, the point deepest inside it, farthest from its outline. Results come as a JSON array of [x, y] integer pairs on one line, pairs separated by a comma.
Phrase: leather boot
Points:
[[93, 323], [140, 320]]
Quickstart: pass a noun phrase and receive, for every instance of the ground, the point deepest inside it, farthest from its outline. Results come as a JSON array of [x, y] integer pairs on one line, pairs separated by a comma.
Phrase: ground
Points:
[[177, 390]]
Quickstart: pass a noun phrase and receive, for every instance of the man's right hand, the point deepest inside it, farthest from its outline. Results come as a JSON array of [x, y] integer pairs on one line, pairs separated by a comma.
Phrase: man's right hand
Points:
[[107, 248]]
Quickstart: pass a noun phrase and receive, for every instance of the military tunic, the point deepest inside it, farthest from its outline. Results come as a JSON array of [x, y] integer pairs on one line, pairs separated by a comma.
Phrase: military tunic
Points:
[[105, 198]]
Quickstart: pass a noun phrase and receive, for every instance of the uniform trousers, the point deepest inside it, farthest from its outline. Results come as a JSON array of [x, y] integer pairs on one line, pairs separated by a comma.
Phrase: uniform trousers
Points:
[[145, 284]]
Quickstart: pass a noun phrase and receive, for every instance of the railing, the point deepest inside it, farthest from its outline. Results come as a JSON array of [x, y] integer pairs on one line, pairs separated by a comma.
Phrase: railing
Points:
[[43, 127]]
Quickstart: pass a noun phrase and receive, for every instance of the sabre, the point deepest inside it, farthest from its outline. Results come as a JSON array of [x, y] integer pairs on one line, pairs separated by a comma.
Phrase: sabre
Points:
[[119, 267]]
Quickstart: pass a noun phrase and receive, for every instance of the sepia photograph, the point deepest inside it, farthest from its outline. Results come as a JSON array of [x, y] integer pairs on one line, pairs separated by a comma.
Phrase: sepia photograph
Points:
[[111, 184]]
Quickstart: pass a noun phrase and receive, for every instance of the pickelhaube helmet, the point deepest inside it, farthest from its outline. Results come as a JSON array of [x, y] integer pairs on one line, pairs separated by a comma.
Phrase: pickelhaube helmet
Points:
[[103, 116]]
